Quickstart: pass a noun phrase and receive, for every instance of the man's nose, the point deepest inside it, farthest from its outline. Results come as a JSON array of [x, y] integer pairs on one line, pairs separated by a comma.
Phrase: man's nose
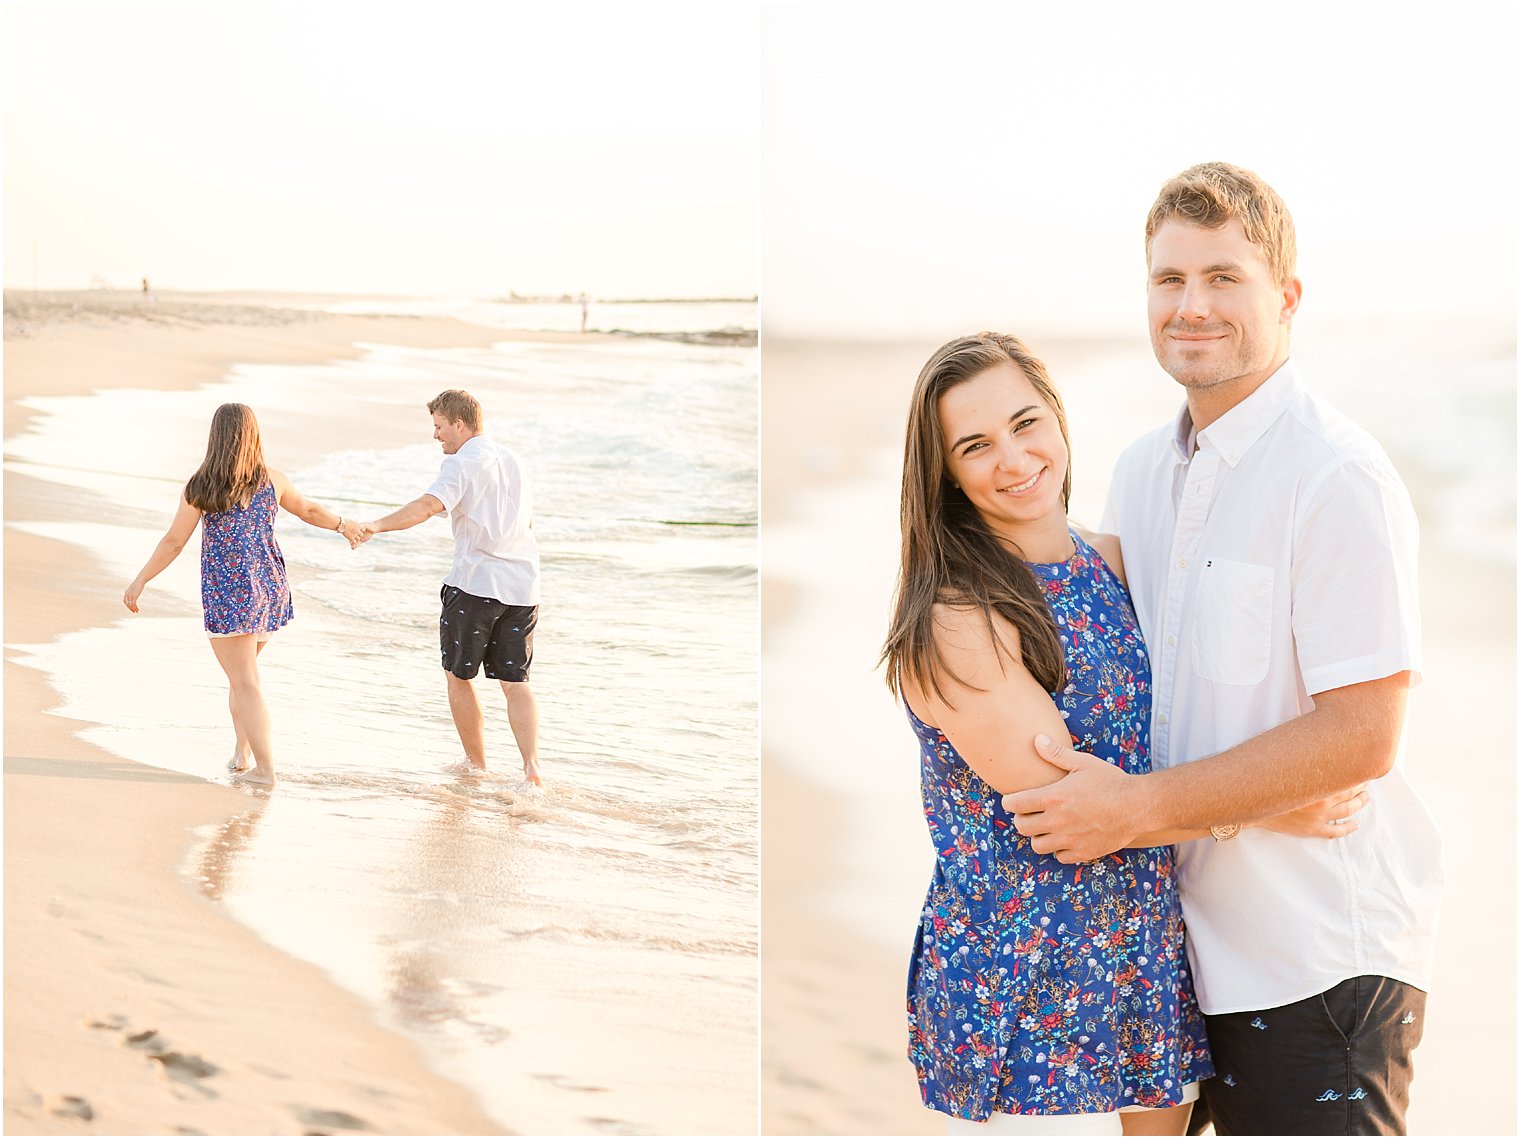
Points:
[[1194, 304]]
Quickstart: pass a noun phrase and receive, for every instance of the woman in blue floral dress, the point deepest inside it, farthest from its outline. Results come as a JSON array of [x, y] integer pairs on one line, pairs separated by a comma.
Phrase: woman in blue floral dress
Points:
[[1043, 998], [245, 597]]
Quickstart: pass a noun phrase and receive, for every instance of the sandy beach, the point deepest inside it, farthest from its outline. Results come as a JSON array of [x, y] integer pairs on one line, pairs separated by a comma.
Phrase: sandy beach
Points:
[[845, 855], [133, 1003]]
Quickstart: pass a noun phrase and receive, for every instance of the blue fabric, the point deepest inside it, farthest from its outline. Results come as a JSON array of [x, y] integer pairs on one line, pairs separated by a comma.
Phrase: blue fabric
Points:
[[243, 584], [1036, 987]]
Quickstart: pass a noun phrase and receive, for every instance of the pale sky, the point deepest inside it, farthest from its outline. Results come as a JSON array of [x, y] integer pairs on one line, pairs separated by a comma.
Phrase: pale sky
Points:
[[932, 168], [431, 146]]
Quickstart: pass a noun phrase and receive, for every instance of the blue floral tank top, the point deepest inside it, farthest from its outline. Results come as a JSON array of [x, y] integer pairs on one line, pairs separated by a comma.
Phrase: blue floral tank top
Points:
[[1039, 988], [243, 584]]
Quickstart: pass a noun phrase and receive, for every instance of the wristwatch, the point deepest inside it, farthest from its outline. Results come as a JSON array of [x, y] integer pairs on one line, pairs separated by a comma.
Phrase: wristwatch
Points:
[[1226, 832]]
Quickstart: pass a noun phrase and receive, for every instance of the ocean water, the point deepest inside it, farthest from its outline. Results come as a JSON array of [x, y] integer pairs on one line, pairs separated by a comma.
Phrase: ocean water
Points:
[[584, 958], [548, 316]]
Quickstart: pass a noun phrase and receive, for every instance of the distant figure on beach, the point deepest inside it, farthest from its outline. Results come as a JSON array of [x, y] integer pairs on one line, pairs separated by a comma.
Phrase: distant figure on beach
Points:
[[1272, 555], [585, 303], [145, 286], [245, 597], [490, 596]]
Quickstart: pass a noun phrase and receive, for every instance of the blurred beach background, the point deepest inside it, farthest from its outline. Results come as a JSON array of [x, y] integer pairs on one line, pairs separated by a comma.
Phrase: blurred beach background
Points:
[[934, 172], [347, 211]]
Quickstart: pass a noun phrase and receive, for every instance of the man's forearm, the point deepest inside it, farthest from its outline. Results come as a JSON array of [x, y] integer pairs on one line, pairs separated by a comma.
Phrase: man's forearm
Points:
[[414, 513], [1349, 737]]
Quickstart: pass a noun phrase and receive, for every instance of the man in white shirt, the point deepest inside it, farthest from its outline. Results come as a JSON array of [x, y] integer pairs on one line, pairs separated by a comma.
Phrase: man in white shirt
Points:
[[490, 596], [1271, 553]]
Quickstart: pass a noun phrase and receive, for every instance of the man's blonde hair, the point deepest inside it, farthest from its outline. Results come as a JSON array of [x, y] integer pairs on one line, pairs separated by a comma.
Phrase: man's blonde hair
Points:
[[457, 406], [1212, 193]]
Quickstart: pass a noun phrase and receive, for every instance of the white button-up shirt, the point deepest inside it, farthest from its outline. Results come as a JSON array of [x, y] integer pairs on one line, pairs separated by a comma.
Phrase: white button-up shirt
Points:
[[1272, 556], [495, 553]]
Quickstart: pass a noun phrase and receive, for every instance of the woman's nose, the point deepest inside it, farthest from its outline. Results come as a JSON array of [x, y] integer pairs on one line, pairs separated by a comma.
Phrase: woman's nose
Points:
[[1010, 455]]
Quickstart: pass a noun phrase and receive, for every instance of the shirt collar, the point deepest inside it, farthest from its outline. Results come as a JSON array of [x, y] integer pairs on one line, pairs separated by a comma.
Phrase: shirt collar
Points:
[[1237, 430]]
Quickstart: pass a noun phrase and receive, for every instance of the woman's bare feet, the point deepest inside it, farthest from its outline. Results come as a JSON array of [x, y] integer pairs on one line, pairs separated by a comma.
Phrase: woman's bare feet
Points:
[[240, 761], [531, 773], [255, 777]]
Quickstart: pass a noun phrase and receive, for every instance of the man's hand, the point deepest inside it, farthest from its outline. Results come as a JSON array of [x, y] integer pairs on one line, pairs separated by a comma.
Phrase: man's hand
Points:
[[1081, 817], [1332, 817], [350, 530], [367, 530]]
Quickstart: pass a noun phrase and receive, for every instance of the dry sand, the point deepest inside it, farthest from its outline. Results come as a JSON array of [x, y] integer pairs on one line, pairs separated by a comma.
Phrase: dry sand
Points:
[[833, 1057], [133, 1004]]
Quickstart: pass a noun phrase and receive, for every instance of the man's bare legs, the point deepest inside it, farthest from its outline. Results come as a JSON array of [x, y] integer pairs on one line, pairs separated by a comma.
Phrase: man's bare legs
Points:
[[239, 658], [522, 714], [242, 751], [469, 722]]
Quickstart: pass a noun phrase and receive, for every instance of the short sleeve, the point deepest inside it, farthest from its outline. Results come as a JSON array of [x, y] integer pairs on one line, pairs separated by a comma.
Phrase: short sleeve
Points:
[[1355, 588], [448, 488]]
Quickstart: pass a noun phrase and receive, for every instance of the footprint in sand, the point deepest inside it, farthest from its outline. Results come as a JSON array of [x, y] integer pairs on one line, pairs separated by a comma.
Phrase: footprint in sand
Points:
[[72, 1106], [148, 1040], [612, 1126], [184, 1067], [321, 1117], [565, 1083]]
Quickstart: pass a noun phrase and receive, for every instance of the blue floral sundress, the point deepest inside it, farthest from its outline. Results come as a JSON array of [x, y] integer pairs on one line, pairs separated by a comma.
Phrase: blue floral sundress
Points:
[[243, 584], [1039, 988]]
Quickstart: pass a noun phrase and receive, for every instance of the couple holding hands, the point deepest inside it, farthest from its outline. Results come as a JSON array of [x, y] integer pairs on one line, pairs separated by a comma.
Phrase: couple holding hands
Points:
[[489, 598]]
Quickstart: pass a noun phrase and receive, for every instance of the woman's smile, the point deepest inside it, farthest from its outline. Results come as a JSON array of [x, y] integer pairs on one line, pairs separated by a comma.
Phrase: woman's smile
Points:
[[1026, 486]]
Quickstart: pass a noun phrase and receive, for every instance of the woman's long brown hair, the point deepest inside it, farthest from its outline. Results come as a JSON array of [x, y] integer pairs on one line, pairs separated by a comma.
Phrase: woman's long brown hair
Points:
[[233, 468], [949, 556]]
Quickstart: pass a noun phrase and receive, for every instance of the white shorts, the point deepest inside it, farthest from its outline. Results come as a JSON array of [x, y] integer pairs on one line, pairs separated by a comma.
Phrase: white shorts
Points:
[[1091, 1123], [220, 636]]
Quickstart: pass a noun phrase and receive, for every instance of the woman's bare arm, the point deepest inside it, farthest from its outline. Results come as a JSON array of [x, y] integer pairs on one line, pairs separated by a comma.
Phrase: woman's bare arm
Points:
[[312, 513], [993, 713], [186, 517]]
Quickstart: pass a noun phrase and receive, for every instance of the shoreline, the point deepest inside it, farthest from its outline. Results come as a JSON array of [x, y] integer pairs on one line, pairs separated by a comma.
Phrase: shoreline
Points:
[[133, 1003]]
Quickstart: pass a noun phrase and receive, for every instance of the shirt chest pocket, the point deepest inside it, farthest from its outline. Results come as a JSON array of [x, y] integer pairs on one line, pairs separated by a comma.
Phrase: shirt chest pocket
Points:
[[1232, 622]]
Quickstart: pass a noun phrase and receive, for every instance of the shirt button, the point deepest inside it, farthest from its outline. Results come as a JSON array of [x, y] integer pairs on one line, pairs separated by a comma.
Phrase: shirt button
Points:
[[1182, 563], [1161, 718], [1171, 642]]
